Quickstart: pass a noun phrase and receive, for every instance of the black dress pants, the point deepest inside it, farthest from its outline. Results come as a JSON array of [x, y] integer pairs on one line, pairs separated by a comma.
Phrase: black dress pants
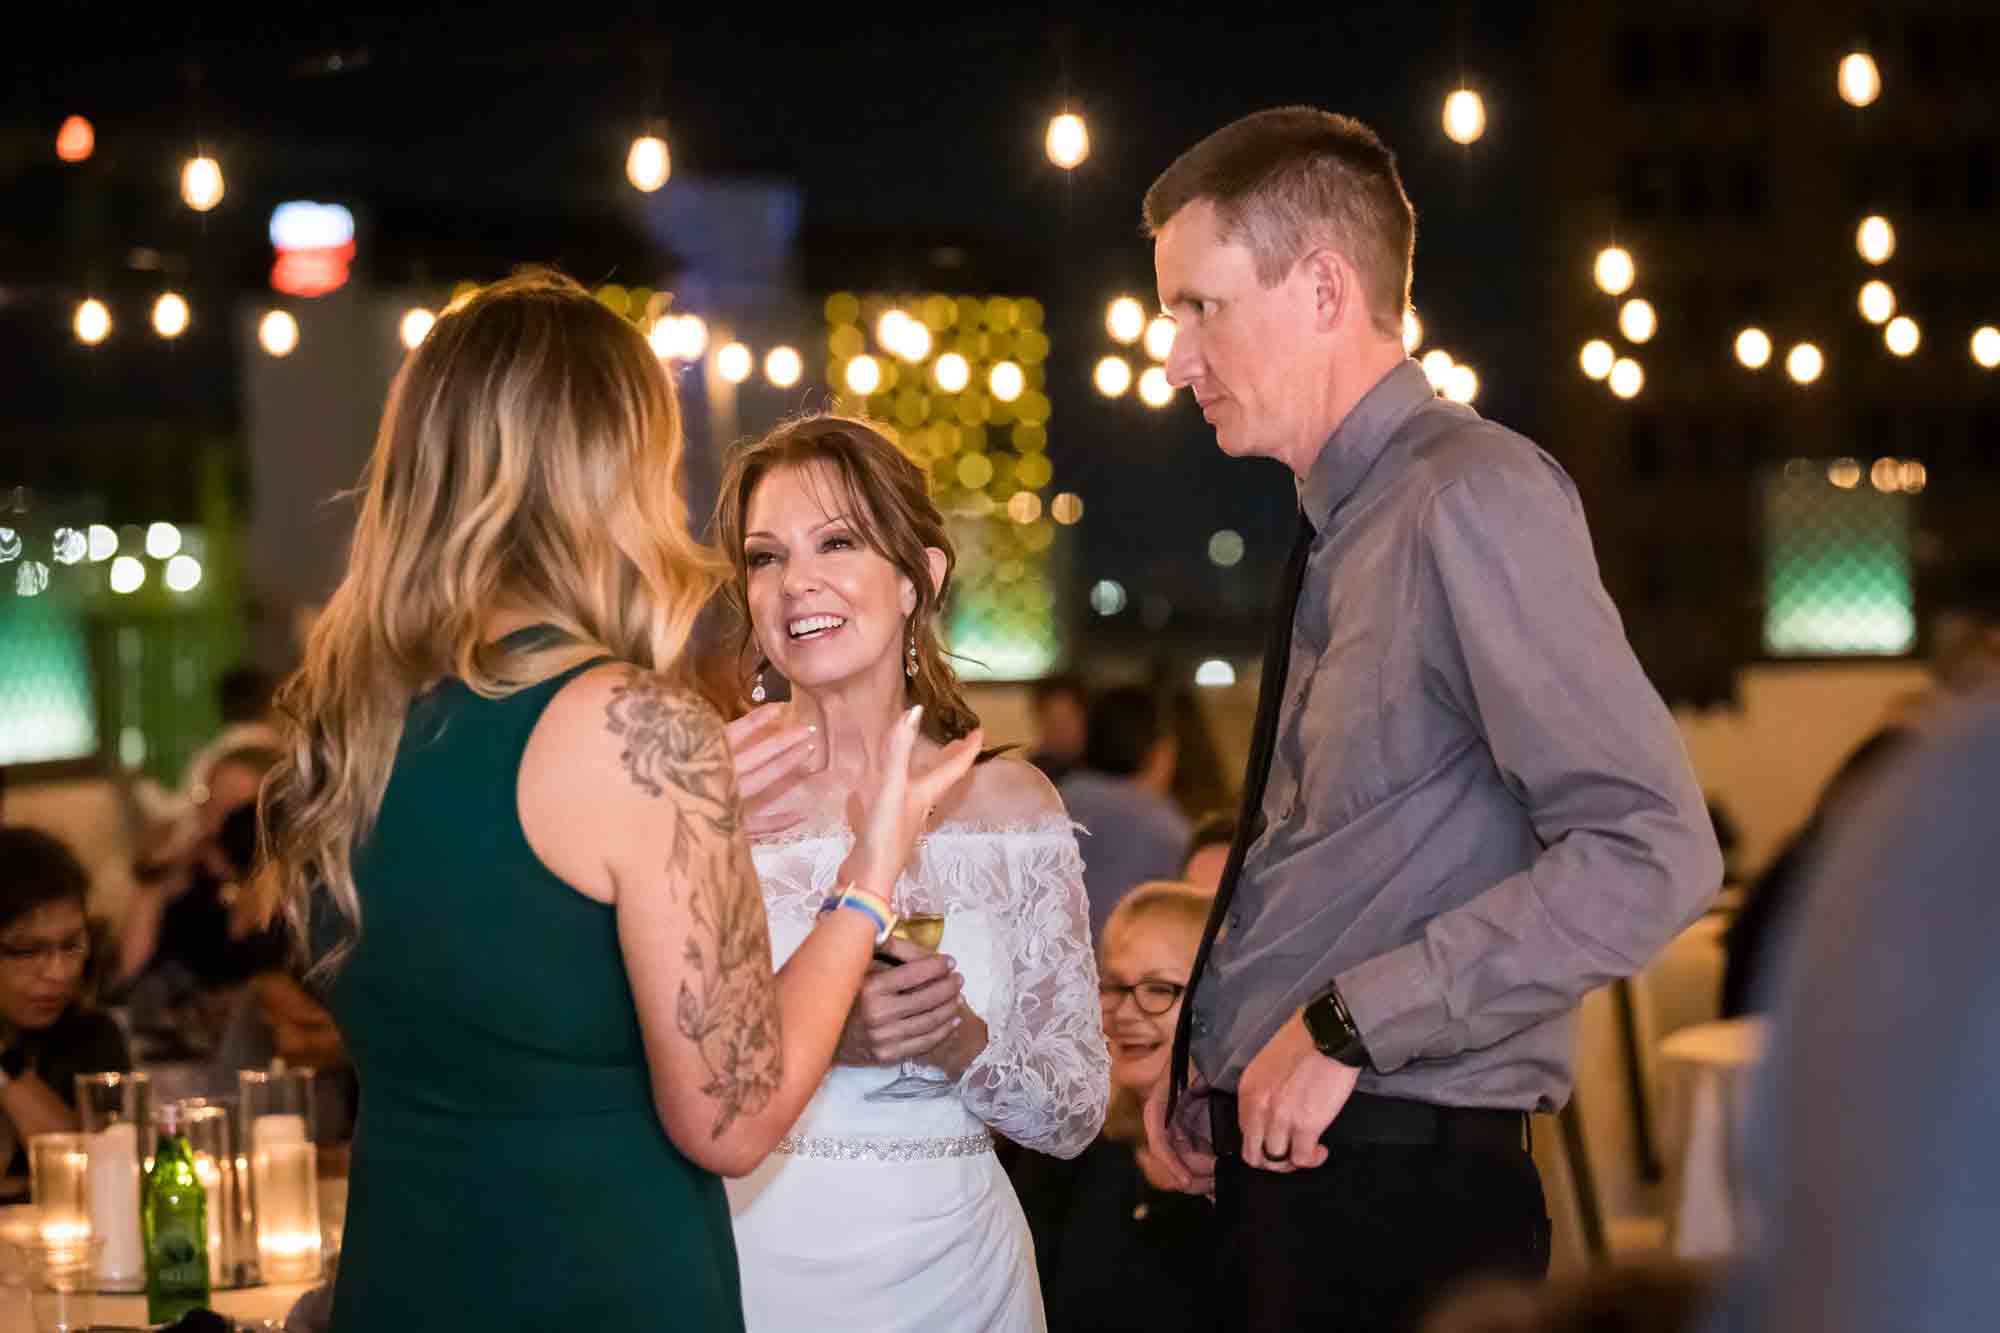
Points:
[[1367, 1242]]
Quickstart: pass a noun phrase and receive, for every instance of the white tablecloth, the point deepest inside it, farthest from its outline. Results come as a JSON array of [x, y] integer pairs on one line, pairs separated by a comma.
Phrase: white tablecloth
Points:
[[1709, 1069], [271, 1303]]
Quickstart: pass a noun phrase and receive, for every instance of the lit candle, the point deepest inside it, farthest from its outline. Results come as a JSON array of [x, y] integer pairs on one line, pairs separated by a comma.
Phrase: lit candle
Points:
[[114, 1204], [210, 1176], [286, 1180]]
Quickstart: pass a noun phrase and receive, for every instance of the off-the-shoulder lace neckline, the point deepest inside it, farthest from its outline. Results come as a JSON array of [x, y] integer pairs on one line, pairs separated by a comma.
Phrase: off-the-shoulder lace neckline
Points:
[[1041, 825]]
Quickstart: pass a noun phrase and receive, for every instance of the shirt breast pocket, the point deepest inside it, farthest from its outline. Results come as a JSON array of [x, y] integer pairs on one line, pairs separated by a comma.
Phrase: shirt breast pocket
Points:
[[1341, 770]]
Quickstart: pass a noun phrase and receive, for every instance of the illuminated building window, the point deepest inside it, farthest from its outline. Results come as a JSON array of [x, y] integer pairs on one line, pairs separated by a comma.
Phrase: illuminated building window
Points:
[[47, 709], [1836, 563]]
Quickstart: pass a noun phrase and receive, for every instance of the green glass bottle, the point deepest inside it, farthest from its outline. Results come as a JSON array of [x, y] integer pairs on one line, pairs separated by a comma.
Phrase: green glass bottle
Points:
[[173, 1215]]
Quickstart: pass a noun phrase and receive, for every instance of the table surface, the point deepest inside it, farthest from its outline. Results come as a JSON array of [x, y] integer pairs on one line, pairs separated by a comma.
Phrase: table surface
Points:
[[272, 1302]]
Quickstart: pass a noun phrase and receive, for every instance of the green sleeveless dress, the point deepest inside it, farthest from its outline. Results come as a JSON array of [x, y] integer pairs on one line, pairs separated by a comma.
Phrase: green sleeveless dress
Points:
[[509, 1169]]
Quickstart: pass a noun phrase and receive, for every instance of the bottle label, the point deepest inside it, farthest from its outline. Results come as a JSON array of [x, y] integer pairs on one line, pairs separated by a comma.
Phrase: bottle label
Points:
[[179, 1262]]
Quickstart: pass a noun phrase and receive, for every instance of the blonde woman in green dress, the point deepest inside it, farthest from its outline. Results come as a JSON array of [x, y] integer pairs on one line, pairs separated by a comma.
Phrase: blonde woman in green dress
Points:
[[513, 837]]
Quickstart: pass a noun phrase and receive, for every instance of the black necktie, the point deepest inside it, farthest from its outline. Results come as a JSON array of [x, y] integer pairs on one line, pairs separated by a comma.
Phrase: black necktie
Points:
[[1256, 774]]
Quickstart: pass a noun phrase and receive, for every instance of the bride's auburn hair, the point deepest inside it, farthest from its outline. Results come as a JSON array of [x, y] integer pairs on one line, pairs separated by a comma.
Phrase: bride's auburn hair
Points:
[[528, 460], [888, 496]]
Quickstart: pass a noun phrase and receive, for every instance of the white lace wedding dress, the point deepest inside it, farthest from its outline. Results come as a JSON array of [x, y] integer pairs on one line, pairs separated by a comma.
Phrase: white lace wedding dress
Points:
[[886, 1216]]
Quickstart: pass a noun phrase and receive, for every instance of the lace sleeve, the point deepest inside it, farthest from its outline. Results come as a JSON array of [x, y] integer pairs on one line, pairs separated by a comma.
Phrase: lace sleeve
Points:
[[1045, 1075]]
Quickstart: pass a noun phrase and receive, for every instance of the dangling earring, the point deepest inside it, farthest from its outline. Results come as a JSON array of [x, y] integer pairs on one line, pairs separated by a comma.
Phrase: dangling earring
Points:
[[910, 662], [757, 687]]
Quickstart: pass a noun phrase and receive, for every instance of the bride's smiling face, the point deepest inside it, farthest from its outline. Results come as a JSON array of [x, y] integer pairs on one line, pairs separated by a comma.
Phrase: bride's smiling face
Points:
[[824, 605]]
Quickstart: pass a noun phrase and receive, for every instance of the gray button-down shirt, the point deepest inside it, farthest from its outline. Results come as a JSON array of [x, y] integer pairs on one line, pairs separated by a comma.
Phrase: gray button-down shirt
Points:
[[1478, 807]]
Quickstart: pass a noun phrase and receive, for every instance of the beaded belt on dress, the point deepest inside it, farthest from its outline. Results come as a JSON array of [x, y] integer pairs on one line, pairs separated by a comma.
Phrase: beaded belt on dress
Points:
[[884, 1150]]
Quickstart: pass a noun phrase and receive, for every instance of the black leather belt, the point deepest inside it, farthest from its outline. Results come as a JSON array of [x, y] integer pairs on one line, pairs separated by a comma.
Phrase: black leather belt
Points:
[[1368, 1118]]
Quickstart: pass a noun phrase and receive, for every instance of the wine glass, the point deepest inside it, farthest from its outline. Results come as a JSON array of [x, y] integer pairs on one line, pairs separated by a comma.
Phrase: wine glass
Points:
[[915, 1082]]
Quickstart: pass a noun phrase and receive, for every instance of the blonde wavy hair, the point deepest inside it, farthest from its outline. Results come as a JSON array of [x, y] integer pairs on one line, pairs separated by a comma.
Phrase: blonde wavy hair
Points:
[[528, 462]]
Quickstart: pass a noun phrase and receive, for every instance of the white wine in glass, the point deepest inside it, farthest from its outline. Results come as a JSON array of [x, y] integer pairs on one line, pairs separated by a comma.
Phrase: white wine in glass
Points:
[[926, 931]]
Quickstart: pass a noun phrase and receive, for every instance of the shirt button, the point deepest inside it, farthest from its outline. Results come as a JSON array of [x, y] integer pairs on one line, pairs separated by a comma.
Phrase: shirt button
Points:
[[1200, 1023], [1236, 918]]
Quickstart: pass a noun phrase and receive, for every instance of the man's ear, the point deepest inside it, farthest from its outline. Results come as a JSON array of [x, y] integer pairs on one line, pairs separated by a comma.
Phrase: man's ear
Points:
[[1334, 287]]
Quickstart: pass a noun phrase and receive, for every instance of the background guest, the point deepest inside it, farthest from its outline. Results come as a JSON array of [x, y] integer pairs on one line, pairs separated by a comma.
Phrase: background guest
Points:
[[1208, 850], [1062, 707], [48, 1032], [1116, 1250], [1120, 796], [1200, 782]]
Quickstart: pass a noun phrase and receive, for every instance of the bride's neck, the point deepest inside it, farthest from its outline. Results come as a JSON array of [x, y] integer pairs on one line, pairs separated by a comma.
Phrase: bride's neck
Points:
[[854, 718]]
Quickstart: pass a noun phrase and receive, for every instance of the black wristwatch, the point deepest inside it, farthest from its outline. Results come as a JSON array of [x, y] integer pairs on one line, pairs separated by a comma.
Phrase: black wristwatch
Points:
[[1332, 1029]]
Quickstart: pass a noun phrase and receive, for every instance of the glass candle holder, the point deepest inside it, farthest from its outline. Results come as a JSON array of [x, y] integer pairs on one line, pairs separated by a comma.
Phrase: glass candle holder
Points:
[[116, 1111], [59, 1178], [277, 1109]]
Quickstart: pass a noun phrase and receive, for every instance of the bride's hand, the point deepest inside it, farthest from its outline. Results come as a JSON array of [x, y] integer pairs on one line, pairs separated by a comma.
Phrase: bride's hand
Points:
[[884, 837], [902, 1012]]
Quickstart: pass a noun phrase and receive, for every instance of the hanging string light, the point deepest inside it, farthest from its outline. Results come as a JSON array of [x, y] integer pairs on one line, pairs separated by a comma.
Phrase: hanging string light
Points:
[[92, 322], [1614, 270], [1753, 348], [1068, 141], [648, 164], [1859, 81], [278, 332], [170, 315], [1464, 116], [76, 140], [201, 183], [416, 326]]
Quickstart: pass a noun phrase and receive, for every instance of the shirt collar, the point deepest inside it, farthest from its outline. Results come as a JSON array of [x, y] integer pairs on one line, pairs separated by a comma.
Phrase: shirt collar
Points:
[[1359, 440]]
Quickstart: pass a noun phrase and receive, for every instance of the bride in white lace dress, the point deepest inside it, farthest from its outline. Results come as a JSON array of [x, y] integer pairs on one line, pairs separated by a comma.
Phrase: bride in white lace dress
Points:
[[876, 1213]]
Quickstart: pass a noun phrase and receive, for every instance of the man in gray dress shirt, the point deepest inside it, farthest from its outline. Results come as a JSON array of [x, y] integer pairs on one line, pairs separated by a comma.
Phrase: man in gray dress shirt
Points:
[[1466, 805]]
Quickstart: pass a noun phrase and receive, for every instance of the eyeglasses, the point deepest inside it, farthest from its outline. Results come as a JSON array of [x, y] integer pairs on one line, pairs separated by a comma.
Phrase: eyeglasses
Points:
[[1152, 997], [71, 951]]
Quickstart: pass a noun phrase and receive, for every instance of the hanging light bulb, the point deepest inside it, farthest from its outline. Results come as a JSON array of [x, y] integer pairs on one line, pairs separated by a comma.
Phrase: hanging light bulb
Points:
[[76, 140], [170, 315], [1877, 301], [1627, 377], [1753, 348], [1597, 358], [1875, 239], [201, 183], [1160, 337], [1615, 270], [733, 362], [1804, 363], [1154, 390], [1986, 346], [1113, 376], [1007, 381], [1902, 335], [1637, 320], [864, 375], [1464, 116], [1068, 141], [783, 366], [952, 372], [93, 322], [416, 326], [648, 163], [1859, 81]]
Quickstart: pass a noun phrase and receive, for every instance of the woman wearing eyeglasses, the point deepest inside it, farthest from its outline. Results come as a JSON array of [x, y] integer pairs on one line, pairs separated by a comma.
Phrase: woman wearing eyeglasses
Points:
[[1117, 1247], [47, 1036]]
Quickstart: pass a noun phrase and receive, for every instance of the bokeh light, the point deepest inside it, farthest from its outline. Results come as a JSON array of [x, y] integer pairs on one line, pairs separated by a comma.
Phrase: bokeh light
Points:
[[1154, 390], [864, 375], [1160, 337], [128, 574], [1066, 508], [1804, 363], [1464, 116], [92, 322], [1753, 348], [648, 163], [1877, 301], [1107, 597], [1024, 507], [782, 366], [1006, 380], [201, 183], [1215, 674], [1860, 82], [1844, 473], [76, 140], [1986, 346], [1413, 332], [951, 372], [1125, 320], [162, 540], [733, 362], [278, 332], [416, 326], [1113, 376], [1875, 239], [103, 542], [1068, 140], [1637, 320], [1461, 384], [1627, 377], [1596, 358], [183, 573], [170, 315], [1615, 271], [1437, 365], [1225, 548], [1902, 335]]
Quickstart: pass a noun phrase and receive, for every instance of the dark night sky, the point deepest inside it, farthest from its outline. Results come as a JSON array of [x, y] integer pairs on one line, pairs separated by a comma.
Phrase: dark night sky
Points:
[[493, 135]]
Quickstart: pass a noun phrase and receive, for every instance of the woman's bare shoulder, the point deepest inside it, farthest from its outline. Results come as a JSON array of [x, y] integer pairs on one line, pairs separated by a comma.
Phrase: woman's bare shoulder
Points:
[[1006, 791]]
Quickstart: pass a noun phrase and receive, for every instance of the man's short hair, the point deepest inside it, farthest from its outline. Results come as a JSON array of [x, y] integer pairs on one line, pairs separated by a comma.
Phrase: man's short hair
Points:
[[1124, 726], [1286, 180]]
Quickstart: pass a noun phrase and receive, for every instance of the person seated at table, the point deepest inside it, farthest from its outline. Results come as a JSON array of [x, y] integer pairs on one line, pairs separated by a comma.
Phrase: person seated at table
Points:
[[512, 838], [48, 1031], [1208, 850], [1118, 1248]]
